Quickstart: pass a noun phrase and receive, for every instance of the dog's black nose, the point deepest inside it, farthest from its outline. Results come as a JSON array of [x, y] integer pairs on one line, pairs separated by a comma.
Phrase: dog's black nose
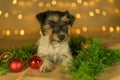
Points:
[[62, 37]]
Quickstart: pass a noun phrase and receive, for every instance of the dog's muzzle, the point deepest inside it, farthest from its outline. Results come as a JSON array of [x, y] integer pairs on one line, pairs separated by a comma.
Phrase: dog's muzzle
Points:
[[61, 37]]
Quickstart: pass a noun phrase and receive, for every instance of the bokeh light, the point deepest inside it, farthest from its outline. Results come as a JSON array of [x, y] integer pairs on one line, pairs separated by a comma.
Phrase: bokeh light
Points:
[[8, 32], [73, 4], [117, 28], [91, 13], [97, 11], [103, 28], [0, 12], [20, 16], [54, 2], [111, 29], [85, 3], [104, 13], [78, 15], [22, 32], [111, 1], [77, 31], [6, 15], [84, 29], [21, 3], [91, 3], [40, 4], [79, 1], [14, 2]]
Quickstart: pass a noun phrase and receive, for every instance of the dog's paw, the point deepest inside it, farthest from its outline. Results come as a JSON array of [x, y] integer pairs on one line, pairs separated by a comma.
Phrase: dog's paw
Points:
[[47, 66]]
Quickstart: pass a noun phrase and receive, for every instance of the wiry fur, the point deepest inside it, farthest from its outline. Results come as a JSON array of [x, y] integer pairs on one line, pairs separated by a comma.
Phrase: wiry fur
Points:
[[53, 44]]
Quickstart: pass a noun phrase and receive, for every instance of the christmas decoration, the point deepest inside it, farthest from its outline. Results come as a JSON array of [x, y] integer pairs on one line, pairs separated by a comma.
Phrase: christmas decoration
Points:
[[4, 56], [85, 46], [16, 65], [35, 62], [86, 63]]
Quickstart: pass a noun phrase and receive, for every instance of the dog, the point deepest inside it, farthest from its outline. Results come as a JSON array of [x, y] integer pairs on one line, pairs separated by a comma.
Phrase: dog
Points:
[[53, 44]]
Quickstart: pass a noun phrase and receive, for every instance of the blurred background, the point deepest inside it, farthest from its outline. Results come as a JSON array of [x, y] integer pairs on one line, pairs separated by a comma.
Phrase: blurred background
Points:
[[94, 18]]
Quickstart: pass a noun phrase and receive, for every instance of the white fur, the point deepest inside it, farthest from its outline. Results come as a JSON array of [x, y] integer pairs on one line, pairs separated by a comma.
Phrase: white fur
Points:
[[52, 53]]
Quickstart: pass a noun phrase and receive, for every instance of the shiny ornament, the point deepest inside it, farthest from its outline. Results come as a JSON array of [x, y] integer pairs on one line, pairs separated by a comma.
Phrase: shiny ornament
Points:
[[35, 62], [16, 65], [4, 56]]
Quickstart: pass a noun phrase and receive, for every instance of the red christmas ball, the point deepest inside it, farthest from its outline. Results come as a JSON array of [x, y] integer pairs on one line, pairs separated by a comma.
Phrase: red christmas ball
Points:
[[16, 65], [35, 62]]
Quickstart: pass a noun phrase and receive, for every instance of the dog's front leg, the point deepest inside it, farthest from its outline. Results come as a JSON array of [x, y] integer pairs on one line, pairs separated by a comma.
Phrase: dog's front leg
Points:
[[44, 54], [66, 61], [47, 65]]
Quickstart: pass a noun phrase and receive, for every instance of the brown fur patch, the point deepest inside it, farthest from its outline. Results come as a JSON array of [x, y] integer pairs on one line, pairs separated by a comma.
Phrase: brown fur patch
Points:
[[54, 37], [53, 18], [47, 30], [64, 18]]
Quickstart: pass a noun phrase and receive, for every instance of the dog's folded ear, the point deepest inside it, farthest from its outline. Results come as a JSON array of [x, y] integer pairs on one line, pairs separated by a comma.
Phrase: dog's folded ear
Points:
[[71, 18], [41, 17]]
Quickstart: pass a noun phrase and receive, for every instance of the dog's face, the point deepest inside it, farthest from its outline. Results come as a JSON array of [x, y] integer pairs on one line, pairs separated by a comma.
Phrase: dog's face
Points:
[[55, 24]]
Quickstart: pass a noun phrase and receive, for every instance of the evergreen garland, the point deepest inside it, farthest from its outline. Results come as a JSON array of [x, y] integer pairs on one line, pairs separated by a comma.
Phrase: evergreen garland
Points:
[[92, 60]]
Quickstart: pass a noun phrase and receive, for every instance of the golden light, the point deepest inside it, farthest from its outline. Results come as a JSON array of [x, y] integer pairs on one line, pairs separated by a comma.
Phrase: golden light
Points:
[[91, 3], [20, 16], [116, 10], [16, 32], [111, 1], [48, 4], [8, 32], [6, 15], [77, 31], [79, 1], [117, 28], [91, 13], [21, 3], [103, 28], [14, 2], [73, 4], [84, 29], [54, 2], [0, 12], [104, 13], [111, 29], [85, 3], [40, 4], [22, 32], [78, 15], [97, 11]]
